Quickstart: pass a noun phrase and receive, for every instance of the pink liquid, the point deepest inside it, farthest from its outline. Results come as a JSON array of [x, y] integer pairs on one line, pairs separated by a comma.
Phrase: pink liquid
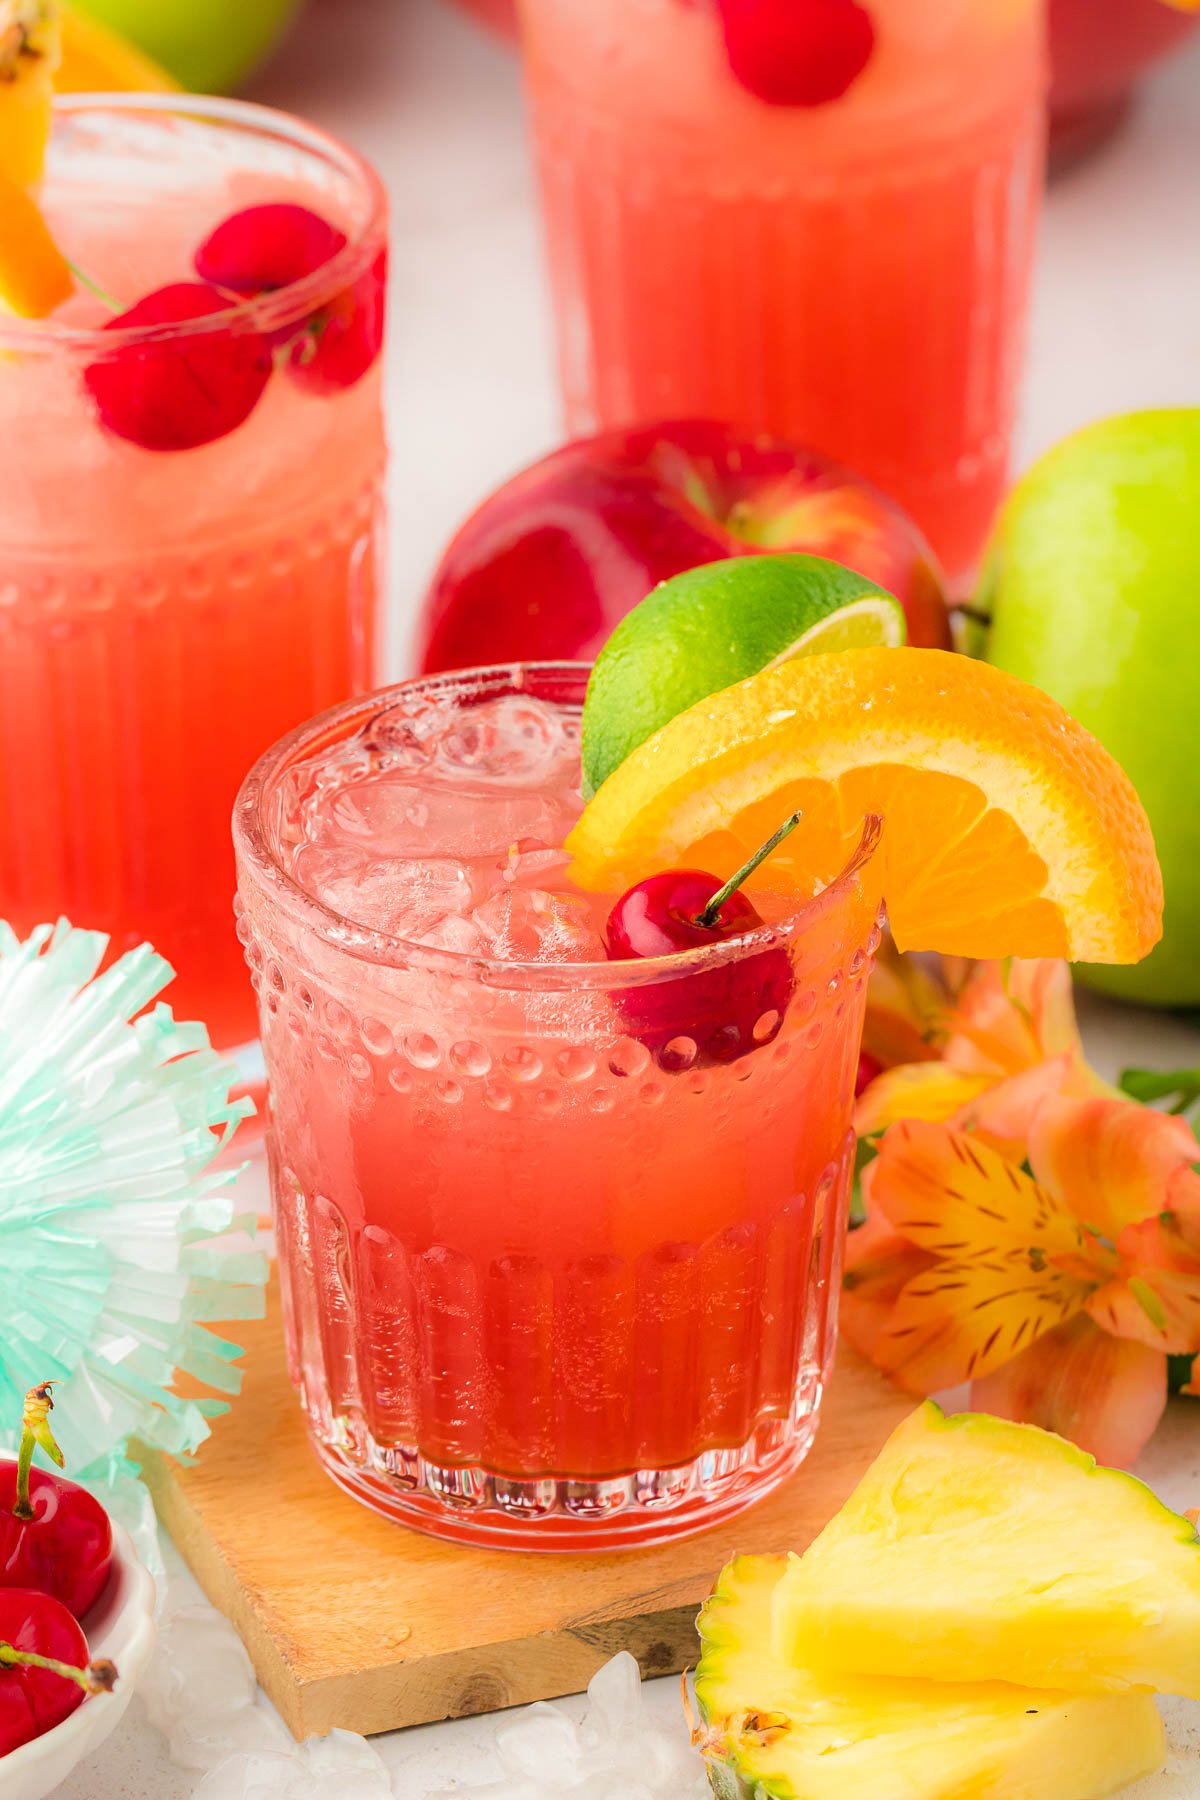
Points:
[[854, 275], [539, 1278], [164, 616]]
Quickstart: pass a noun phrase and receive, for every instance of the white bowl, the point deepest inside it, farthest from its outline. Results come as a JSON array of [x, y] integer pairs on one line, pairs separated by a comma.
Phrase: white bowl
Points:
[[119, 1626]]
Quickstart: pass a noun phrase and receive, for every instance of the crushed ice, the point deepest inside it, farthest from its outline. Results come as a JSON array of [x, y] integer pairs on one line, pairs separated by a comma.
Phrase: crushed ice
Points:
[[201, 1693], [615, 1752]]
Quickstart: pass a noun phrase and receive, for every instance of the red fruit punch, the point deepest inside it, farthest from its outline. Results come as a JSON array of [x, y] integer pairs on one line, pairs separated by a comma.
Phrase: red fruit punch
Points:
[[797, 52], [33, 1700], [263, 248], [179, 390], [54, 1535]]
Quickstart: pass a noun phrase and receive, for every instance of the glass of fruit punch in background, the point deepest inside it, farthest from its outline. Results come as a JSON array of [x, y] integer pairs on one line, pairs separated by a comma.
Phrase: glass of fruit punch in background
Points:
[[559, 1236], [812, 217], [190, 513]]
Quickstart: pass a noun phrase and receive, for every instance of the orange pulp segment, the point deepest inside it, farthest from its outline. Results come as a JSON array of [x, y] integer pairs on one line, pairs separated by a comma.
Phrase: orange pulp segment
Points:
[[1009, 830], [29, 52], [34, 275]]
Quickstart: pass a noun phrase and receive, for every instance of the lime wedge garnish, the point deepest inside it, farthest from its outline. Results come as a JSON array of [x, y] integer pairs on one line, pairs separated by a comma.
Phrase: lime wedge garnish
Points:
[[710, 627]]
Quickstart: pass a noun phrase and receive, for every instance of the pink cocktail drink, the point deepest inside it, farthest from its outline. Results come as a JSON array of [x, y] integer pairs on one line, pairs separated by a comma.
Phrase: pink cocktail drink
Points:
[[851, 271], [169, 606], [558, 1269]]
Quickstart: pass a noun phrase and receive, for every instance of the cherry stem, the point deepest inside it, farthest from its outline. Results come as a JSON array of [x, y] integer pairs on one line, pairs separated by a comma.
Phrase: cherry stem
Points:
[[98, 1678], [93, 287], [709, 916], [35, 1429]]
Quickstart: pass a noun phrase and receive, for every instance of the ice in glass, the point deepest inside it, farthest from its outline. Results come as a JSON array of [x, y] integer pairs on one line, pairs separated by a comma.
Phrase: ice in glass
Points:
[[169, 607], [557, 1270]]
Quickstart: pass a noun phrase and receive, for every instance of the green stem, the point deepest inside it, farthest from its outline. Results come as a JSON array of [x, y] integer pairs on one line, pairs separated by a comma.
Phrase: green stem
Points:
[[93, 287], [709, 916], [98, 1678], [35, 1429]]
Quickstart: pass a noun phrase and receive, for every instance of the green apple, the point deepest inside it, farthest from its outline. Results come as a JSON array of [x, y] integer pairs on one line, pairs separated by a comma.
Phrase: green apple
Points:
[[207, 45], [1092, 582]]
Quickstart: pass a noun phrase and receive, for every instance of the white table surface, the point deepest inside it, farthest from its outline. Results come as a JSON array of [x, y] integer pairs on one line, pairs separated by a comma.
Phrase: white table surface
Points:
[[435, 103]]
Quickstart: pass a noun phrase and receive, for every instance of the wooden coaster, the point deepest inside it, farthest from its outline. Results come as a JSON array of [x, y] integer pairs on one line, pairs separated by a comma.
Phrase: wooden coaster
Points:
[[353, 1621]]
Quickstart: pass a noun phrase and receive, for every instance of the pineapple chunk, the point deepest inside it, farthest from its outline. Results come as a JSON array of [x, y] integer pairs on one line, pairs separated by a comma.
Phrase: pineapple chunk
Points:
[[975, 1549], [29, 51], [774, 1732]]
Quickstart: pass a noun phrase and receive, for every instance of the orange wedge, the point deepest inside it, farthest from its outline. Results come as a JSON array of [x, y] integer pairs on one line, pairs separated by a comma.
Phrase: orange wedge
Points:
[[1009, 831], [29, 52], [34, 275]]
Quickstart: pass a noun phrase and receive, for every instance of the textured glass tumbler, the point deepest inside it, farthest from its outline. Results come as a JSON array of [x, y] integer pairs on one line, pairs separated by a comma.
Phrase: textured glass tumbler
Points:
[[853, 275], [542, 1287], [167, 612]]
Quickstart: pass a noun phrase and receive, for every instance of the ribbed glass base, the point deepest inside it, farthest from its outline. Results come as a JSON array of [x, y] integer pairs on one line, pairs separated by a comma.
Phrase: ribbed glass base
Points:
[[471, 1505]]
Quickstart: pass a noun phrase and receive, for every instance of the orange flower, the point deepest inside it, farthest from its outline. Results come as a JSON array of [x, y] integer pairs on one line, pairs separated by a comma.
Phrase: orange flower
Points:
[[1057, 1294], [1008, 1042]]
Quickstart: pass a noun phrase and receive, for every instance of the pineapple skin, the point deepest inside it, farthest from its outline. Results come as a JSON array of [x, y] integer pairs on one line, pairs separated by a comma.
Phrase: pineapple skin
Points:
[[982, 1550], [773, 1732]]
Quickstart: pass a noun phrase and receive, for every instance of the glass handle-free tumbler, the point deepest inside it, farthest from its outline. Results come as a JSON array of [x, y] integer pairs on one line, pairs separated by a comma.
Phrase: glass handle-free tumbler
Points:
[[560, 1264], [853, 274], [191, 520]]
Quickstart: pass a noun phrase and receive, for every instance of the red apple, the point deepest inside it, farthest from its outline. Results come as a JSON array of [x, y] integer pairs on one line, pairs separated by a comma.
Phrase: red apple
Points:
[[550, 562]]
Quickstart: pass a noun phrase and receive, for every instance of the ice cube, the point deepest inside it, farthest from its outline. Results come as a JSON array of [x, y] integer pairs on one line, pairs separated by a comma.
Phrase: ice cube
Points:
[[614, 1699], [201, 1693], [401, 896], [529, 925], [388, 816], [540, 1744], [454, 933], [341, 1764], [514, 740]]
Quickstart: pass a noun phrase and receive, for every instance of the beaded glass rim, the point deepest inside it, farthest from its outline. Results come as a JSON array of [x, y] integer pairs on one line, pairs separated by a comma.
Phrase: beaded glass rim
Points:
[[561, 683]]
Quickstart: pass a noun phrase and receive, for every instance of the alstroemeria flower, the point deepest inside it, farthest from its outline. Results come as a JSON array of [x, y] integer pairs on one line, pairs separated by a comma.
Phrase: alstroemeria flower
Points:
[[1057, 1294], [1008, 1043], [908, 1000]]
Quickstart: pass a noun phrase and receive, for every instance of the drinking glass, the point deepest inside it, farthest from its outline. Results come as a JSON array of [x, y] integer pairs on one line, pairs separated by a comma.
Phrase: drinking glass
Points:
[[558, 1272], [854, 275], [165, 613]]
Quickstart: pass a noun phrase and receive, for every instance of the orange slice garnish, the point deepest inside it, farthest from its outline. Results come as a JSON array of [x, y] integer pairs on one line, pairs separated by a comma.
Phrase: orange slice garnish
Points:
[[34, 275], [1009, 830]]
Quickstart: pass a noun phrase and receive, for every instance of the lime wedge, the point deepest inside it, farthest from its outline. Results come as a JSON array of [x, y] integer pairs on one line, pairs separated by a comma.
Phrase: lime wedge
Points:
[[716, 625]]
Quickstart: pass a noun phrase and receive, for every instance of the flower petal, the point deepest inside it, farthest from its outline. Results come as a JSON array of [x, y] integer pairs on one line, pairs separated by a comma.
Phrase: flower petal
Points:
[[1106, 1394], [1109, 1161], [1156, 1296], [996, 1240], [879, 1264], [1002, 1115], [922, 1090], [958, 1198], [1013, 1014]]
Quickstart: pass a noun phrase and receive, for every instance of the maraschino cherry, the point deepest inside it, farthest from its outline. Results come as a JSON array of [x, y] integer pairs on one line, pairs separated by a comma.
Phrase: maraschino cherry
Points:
[[797, 52], [54, 1535], [726, 1011], [343, 338], [266, 247], [45, 1672], [185, 389]]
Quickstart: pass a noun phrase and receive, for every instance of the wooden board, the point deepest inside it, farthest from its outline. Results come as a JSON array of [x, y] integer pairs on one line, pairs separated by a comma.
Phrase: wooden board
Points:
[[353, 1621]]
